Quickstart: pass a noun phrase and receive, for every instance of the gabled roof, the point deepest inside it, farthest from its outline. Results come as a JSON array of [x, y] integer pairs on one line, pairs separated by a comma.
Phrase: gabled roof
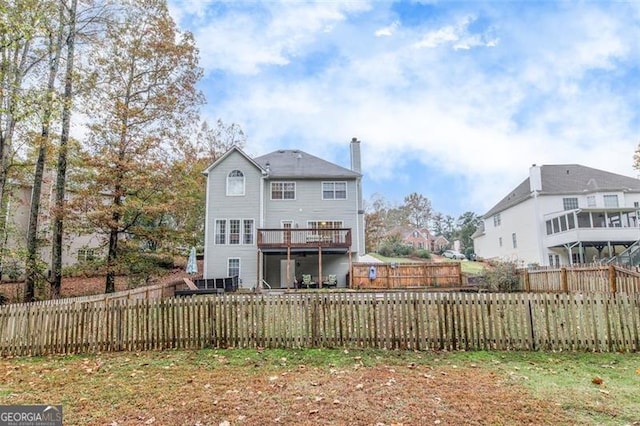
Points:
[[293, 163], [407, 231], [568, 179], [228, 153]]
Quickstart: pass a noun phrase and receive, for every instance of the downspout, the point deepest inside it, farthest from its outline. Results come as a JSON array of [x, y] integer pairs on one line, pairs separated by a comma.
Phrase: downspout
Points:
[[206, 228], [535, 185], [261, 220]]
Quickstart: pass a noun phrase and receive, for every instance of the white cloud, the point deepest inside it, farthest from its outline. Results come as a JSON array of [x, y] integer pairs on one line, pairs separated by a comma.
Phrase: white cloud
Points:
[[388, 30], [273, 33], [553, 89], [457, 35]]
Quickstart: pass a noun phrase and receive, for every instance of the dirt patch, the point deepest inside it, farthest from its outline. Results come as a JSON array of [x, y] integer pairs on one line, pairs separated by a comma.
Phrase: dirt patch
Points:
[[189, 388]]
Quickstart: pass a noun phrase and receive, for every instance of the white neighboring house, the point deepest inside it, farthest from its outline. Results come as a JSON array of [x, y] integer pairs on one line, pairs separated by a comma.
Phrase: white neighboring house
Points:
[[562, 215], [274, 218]]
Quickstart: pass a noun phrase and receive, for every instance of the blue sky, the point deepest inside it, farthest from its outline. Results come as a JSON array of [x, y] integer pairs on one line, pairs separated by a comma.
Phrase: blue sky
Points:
[[453, 100]]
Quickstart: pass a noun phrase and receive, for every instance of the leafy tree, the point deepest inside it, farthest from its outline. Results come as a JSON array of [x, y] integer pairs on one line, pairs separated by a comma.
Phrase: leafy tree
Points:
[[443, 225], [144, 100], [465, 227], [418, 210], [21, 32], [61, 166], [54, 43], [375, 223], [192, 158]]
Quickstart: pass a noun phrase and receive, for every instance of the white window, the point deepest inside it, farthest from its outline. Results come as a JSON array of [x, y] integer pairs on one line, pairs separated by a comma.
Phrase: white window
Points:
[[500, 241], [247, 232], [221, 231], [334, 190], [233, 267], [591, 200], [235, 183], [570, 203], [234, 231], [283, 190], [324, 224], [86, 254], [515, 240], [610, 201], [497, 220]]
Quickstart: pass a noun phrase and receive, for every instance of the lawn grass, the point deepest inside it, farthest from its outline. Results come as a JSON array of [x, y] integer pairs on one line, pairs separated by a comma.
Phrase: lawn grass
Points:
[[592, 388], [329, 386], [468, 267]]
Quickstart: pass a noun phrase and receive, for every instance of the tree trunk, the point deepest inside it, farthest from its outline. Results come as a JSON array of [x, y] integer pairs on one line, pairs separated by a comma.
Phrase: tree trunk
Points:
[[61, 170], [31, 267], [110, 285], [8, 119]]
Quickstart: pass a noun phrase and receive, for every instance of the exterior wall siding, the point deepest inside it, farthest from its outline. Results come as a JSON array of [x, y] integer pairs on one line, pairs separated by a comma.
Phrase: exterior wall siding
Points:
[[222, 206], [309, 206], [531, 230]]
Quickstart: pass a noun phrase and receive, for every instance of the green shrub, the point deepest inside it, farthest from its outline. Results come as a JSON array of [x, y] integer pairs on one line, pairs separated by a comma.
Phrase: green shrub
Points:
[[423, 254]]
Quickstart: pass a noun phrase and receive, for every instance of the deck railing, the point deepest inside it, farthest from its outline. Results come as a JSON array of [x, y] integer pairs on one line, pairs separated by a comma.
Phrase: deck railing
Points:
[[304, 238]]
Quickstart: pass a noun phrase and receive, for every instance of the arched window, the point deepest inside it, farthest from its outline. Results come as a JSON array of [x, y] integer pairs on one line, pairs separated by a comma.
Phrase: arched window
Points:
[[235, 183]]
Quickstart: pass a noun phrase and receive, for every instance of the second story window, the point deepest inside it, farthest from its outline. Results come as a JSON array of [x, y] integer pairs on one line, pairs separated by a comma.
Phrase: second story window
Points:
[[247, 232], [235, 183], [221, 231], [570, 203], [283, 190], [610, 201], [591, 200], [497, 220], [334, 190], [234, 231]]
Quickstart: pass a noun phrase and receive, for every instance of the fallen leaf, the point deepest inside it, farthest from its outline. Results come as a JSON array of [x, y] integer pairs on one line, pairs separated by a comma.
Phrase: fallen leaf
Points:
[[597, 380]]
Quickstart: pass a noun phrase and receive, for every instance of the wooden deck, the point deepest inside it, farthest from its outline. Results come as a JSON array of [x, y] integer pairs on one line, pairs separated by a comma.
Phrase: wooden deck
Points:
[[338, 238]]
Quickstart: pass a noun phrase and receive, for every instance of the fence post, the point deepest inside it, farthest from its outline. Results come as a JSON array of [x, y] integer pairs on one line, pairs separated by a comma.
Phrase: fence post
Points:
[[612, 279], [563, 280], [527, 284]]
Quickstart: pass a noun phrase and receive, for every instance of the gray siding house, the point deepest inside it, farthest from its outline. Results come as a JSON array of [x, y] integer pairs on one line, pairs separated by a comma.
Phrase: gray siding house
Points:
[[273, 218]]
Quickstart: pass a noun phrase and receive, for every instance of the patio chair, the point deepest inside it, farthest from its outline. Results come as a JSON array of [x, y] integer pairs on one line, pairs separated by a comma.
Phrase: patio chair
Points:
[[306, 280], [332, 281]]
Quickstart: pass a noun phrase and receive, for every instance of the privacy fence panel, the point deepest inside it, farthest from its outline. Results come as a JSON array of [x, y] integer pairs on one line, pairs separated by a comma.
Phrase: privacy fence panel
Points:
[[391, 320], [428, 275], [581, 279]]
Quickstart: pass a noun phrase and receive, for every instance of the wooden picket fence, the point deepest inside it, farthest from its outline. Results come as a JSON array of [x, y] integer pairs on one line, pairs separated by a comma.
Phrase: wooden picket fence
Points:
[[581, 278], [433, 275], [155, 291], [393, 320]]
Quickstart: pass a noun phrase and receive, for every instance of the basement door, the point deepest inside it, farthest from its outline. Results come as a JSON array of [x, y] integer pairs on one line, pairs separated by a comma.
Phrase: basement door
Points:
[[284, 282]]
